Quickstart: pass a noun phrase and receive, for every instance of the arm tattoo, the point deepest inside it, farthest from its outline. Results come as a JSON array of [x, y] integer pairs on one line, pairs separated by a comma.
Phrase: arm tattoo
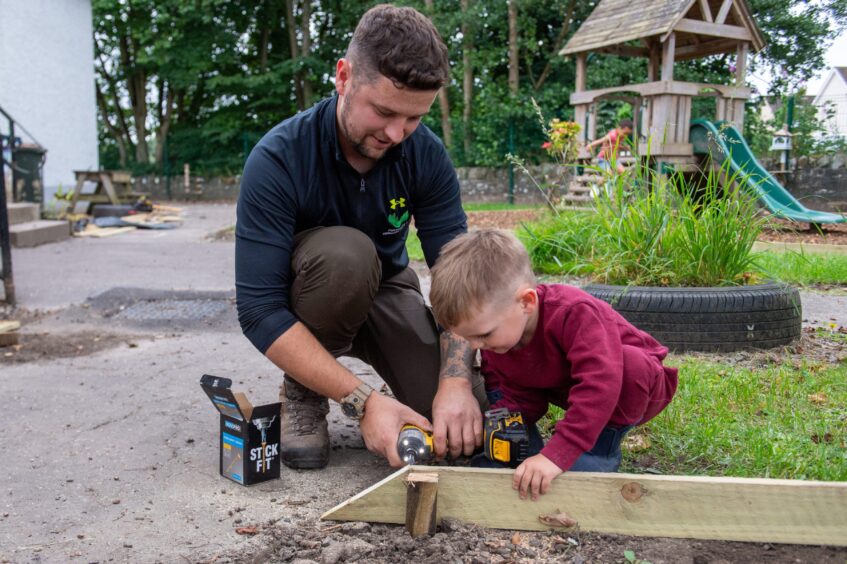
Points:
[[456, 356]]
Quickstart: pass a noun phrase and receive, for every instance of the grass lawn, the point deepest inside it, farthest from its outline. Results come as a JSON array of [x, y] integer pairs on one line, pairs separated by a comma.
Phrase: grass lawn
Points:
[[804, 269], [784, 420]]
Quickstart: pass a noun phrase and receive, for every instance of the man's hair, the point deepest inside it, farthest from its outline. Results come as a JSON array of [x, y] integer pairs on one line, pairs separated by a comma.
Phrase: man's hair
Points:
[[475, 270], [625, 124], [400, 44]]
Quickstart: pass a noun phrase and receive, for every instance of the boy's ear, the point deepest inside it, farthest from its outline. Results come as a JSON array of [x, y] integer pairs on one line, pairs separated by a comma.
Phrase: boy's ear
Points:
[[528, 298]]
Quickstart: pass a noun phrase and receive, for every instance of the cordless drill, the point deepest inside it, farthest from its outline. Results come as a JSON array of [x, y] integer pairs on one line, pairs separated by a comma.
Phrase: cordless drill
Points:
[[505, 440]]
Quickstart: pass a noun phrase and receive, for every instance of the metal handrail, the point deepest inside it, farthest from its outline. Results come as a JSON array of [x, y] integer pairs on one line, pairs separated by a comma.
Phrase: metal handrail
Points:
[[13, 122], [5, 241]]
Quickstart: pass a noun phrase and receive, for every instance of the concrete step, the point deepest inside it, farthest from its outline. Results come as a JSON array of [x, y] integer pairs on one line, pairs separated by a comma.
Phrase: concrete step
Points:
[[577, 189], [577, 197], [23, 212], [34, 233]]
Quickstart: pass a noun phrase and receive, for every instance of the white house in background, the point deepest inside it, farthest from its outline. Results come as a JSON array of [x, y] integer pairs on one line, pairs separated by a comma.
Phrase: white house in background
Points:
[[47, 82], [833, 94]]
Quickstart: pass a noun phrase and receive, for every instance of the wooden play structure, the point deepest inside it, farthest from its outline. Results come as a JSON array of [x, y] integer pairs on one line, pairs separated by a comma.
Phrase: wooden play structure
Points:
[[663, 32]]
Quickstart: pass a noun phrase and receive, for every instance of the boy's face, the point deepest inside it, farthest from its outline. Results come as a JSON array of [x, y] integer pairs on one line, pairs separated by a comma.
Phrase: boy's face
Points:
[[500, 327]]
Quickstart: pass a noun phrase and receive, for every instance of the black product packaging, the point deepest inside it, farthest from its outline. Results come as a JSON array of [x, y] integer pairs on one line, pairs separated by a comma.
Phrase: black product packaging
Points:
[[249, 436]]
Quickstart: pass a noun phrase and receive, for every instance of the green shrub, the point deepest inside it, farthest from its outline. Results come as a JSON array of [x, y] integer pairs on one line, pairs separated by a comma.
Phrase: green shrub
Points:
[[681, 231]]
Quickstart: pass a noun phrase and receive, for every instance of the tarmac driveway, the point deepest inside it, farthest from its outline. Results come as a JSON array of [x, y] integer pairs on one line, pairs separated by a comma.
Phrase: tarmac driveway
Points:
[[109, 444]]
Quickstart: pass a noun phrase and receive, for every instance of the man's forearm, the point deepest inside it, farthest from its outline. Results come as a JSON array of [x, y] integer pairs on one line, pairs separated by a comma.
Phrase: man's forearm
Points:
[[303, 358], [456, 357]]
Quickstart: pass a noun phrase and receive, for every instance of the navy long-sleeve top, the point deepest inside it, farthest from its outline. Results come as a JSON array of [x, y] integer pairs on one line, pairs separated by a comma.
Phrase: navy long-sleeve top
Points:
[[297, 178]]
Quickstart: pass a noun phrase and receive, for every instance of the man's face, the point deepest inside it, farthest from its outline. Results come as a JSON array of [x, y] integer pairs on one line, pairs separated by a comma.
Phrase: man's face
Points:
[[376, 116]]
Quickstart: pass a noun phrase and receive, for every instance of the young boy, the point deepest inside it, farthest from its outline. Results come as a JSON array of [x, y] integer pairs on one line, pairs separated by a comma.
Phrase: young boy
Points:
[[610, 144], [550, 344]]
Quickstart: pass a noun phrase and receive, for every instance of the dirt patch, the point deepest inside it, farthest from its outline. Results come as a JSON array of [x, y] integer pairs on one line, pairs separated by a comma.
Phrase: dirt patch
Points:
[[779, 231], [460, 542], [34, 347], [782, 231], [504, 219], [815, 346]]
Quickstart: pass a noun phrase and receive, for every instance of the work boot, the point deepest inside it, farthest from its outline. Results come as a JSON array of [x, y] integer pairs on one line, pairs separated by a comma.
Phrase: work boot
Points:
[[304, 440]]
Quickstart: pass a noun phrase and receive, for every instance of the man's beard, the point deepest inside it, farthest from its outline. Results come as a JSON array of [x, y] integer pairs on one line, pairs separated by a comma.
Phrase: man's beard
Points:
[[346, 130]]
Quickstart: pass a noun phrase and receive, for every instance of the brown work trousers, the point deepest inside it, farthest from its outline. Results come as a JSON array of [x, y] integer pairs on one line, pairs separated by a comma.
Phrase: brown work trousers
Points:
[[338, 293]]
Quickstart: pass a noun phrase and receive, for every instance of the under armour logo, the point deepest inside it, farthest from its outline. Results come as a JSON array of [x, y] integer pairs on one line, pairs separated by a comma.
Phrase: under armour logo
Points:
[[399, 202]]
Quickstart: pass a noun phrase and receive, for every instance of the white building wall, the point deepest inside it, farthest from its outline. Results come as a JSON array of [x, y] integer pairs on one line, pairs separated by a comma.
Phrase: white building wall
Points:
[[47, 82], [834, 92]]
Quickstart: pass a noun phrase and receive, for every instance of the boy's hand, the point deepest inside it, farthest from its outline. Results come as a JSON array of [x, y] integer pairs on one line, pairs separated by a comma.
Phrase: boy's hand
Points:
[[535, 474]]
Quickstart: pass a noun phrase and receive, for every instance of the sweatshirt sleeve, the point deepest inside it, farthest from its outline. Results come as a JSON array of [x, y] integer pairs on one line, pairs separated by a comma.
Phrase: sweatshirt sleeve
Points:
[[594, 351], [439, 216], [264, 235]]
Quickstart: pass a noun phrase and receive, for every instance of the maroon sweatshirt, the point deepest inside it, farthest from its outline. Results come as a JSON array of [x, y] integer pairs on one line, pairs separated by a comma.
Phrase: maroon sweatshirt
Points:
[[587, 359]]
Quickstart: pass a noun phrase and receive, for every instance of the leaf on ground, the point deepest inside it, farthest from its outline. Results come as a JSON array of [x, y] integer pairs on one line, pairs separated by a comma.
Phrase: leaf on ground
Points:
[[560, 519], [516, 538], [818, 398], [636, 443]]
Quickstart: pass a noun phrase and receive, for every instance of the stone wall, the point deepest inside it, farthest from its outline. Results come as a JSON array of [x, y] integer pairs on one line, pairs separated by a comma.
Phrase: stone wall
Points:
[[819, 184], [198, 188], [478, 184]]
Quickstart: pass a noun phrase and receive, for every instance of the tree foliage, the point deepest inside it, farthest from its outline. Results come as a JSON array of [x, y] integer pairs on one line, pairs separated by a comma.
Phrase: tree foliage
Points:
[[200, 81]]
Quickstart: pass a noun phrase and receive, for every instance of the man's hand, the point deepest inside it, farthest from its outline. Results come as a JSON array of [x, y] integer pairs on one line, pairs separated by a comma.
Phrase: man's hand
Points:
[[457, 418], [535, 475], [455, 411], [380, 427]]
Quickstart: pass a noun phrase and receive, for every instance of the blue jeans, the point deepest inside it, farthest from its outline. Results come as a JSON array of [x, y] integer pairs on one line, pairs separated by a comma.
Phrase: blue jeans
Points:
[[604, 456]]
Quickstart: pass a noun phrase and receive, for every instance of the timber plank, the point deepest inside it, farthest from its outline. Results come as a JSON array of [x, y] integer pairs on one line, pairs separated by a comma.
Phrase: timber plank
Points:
[[8, 325], [384, 502], [739, 509]]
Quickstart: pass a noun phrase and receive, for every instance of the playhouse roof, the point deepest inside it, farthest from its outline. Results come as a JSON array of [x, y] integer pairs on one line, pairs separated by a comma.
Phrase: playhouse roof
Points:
[[703, 27]]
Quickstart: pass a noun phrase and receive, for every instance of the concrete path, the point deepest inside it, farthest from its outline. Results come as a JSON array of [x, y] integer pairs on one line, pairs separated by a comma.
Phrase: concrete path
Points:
[[114, 455]]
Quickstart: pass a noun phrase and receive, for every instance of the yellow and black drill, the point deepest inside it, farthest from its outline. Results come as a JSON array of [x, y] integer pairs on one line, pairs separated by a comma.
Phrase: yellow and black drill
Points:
[[505, 439]]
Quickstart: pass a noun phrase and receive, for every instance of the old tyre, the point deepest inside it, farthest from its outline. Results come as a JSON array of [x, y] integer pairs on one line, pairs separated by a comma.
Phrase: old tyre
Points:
[[710, 319]]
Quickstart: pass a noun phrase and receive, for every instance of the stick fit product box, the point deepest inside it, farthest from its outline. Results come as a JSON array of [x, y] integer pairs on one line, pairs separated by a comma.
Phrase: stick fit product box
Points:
[[249, 436]]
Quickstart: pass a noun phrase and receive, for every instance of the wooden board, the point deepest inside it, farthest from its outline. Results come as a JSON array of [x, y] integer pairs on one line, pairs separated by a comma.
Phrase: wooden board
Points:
[[8, 325], [739, 509], [9, 339], [100, 232]]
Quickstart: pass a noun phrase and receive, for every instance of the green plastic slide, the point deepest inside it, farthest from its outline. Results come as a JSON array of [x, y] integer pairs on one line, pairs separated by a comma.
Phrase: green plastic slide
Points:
[[723, 140]]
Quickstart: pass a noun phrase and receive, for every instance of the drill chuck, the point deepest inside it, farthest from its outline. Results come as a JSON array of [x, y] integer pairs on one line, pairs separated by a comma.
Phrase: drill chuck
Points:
[[414, 445]]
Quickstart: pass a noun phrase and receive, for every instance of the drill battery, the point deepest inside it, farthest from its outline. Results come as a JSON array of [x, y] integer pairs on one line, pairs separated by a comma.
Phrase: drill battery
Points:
[[505, 437]]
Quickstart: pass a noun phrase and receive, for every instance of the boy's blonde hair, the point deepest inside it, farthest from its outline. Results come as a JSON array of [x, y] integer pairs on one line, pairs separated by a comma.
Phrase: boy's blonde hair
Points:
[[474, 270]]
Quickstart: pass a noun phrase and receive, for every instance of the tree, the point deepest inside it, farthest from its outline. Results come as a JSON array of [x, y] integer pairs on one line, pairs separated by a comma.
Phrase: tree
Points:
[[200, 81]]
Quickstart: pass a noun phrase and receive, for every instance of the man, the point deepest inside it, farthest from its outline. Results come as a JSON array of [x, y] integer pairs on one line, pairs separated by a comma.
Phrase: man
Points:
[[321, 267]]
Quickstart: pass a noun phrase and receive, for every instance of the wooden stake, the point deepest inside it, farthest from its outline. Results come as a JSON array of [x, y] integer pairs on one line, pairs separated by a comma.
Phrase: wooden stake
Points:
[[421, 502]]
